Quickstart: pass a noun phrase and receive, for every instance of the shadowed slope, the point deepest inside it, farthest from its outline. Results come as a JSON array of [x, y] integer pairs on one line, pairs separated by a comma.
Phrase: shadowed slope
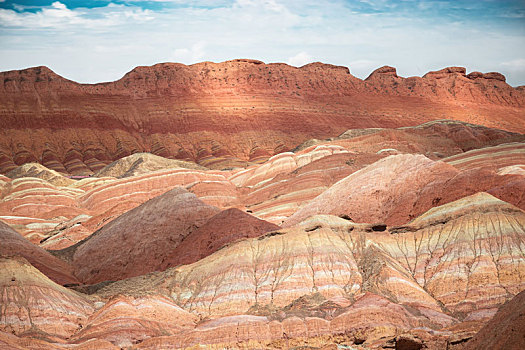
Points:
[[12, 244], [506, 330], [141, 240], [222, 229]]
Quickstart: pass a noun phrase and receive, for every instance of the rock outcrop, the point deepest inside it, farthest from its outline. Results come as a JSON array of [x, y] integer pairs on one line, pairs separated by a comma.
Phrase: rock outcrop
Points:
[[223, 229], [432, 281], [335, 257], [39, 171], [125, 321], [57, 216], [379, 192], [447, 72], [143, 163], [383, 71], [396, 189], [10, 341], [406, 231], [494, 158], [462, 236], [451, 267]]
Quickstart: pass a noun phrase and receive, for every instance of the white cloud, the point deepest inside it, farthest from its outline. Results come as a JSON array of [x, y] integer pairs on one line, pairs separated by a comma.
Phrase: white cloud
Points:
[[59, 16], [377, 4], [300, 59], [190, 55], [362, 63], [517, 64], [271, 5], [59, 5]]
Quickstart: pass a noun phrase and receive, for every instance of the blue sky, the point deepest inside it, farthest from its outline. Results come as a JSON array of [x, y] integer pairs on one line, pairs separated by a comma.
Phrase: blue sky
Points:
[[93, 41]]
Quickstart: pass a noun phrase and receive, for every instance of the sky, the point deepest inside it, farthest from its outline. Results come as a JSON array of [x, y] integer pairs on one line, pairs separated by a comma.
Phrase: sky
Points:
[[95, 40]]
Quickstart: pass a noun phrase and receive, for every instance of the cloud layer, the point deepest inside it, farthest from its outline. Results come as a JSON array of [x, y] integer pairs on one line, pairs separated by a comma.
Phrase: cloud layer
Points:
[[100, 41]]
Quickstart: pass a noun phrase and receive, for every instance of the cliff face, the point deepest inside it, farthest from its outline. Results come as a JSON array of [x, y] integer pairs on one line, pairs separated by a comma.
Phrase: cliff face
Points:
[[225, 113]]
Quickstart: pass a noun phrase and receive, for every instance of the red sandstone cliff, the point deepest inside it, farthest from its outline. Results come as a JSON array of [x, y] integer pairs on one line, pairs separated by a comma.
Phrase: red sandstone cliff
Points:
[[220, 112]]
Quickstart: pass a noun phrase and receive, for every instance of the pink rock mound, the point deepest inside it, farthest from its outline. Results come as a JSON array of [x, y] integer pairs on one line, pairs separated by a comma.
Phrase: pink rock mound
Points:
[[126, 320], [226, 227], [141, 240], [10, 341], [382, 192], [396, 189]]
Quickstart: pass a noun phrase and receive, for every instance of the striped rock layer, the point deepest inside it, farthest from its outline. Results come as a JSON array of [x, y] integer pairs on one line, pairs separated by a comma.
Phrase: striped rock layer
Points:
[[397, 188], [12, 243], [325, 280], [31, 303], [58, 216], [393, 235], [505, 330], [479, 235], [62, 212], [225, 114], [457, 262]]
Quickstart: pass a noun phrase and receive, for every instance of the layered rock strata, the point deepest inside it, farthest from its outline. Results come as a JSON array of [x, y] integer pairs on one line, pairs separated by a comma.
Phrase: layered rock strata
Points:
[[328, 280], [224, 114], [32, 304], [396, 189]]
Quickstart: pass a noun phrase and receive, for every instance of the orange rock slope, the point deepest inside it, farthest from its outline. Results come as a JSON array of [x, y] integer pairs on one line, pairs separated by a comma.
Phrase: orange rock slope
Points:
[[506, 330], [224, 114], [33, 304]]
